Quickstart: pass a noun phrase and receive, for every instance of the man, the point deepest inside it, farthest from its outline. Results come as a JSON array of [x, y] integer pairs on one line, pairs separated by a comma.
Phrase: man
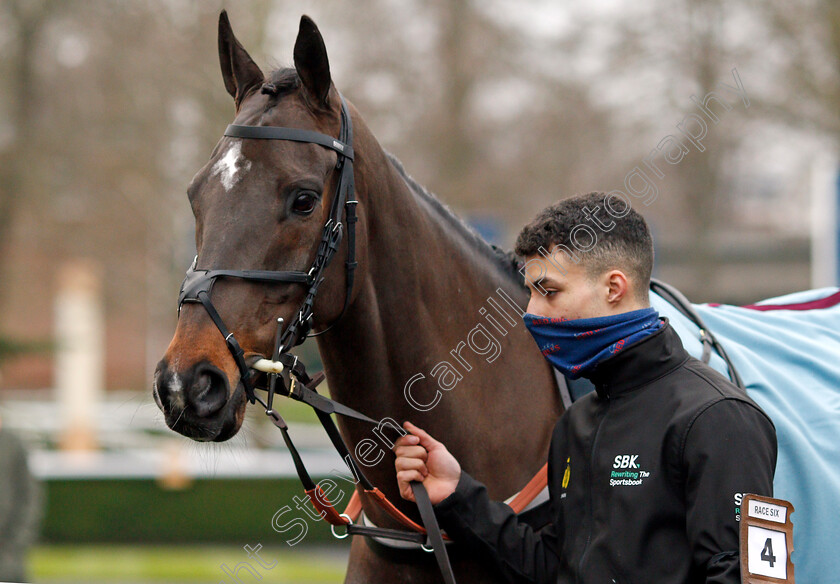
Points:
[[20, 507], [644, 472]]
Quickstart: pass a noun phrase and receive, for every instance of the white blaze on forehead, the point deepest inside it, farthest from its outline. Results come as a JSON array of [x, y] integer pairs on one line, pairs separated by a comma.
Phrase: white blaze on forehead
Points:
[[229, 165]]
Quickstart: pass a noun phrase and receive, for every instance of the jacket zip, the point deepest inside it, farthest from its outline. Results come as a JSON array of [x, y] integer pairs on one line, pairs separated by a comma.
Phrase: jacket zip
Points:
[[591, 488]]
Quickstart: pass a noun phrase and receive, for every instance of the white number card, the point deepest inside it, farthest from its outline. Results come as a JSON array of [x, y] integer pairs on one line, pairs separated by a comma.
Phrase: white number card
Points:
[[767, 552], [766, 541]]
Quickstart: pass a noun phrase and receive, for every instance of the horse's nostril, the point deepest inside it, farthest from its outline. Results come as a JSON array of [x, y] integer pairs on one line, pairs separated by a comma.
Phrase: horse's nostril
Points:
[[156, 394], [204, 383], [209, 391], [159, 393]]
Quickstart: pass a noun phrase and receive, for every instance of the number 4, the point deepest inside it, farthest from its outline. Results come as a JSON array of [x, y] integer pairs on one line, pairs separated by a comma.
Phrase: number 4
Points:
[[767, 553]]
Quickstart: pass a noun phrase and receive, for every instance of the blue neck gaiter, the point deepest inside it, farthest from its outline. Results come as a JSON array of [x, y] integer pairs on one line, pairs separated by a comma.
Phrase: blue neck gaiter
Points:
[[576, 346]]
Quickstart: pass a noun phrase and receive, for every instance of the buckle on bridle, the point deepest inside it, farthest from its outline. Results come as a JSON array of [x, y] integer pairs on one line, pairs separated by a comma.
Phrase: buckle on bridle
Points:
[[346, 533], [428, 549]]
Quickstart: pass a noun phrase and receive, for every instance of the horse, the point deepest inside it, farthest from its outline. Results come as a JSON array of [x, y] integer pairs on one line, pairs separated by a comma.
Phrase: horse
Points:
[[403, 343], [427, 328]]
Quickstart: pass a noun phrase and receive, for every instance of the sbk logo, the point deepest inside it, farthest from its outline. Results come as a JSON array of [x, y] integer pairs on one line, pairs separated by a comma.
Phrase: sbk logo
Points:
[[626, 461]]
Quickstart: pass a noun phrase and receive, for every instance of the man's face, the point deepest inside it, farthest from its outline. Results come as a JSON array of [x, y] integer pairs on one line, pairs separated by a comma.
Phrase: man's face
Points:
[[570, 295]]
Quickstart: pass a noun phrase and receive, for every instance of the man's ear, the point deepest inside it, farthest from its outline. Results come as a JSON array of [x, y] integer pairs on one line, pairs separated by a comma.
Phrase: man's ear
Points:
[[239, 71], [311, 61], [618, 286]]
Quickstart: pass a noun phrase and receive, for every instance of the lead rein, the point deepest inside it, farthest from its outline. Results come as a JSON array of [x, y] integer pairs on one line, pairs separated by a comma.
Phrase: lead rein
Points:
[[303, 389]]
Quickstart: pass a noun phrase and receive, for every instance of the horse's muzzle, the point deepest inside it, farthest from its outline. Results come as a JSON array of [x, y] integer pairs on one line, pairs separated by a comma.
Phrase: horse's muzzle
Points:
[[196, 402]]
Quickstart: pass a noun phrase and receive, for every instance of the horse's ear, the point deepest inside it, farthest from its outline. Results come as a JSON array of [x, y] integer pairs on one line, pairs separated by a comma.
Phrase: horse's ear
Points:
[[238, 68], [311, 61]]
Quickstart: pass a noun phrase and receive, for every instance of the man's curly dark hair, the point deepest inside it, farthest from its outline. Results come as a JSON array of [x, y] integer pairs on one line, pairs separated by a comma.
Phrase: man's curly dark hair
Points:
[[621, 240]]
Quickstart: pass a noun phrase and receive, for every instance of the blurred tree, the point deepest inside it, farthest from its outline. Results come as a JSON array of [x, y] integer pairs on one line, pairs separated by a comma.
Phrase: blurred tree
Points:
[[662, 55], [803, 42], [106, 115], [704, 59], [24, 23], [118, 104], [480, 109]]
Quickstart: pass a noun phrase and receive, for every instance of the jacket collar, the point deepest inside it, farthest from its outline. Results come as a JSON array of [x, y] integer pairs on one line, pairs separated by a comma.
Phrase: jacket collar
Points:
[[640, 363]]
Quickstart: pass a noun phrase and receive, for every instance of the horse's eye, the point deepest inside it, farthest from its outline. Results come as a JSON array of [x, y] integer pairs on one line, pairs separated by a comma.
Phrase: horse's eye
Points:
[[304, 203]]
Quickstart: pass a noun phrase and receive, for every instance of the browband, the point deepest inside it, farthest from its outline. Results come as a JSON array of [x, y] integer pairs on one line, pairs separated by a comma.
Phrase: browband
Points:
[[292, 134]]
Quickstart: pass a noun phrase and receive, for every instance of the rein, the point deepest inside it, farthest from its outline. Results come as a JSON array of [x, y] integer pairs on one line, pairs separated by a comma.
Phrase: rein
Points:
[[197, 288]]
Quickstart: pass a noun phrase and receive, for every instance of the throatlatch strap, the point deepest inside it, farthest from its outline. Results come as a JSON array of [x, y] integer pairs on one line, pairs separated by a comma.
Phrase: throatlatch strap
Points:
[[427, 513]]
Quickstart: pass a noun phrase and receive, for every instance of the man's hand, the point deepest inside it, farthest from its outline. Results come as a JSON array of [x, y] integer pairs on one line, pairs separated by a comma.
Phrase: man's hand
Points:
[[422, 458]]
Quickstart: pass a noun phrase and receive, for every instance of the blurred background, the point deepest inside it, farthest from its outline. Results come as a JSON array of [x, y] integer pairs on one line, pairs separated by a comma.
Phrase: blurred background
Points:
[[501, 107]]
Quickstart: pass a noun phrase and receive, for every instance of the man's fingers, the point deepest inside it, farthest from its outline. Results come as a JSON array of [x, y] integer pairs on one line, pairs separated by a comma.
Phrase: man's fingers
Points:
[[411, 452], [425, 439], [406, 492], [406, 476], [406, 440], [411, 464]]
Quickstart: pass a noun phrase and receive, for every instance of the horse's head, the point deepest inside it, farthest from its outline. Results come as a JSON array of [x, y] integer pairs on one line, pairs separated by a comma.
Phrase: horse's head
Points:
[[259, 204]]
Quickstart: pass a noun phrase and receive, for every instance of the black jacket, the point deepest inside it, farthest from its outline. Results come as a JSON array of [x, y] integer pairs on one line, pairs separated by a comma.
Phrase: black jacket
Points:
[[644, 474]]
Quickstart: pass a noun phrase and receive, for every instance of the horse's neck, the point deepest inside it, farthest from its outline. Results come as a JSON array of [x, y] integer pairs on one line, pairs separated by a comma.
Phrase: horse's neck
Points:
[[425, 289]]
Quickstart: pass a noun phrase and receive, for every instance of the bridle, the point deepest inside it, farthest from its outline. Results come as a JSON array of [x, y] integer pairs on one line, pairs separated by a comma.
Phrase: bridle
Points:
[[198, 284], [197, 288]]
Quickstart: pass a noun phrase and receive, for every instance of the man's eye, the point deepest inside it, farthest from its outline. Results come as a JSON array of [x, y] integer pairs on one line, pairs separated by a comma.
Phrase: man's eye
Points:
[[550, 293], [304, 203]]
